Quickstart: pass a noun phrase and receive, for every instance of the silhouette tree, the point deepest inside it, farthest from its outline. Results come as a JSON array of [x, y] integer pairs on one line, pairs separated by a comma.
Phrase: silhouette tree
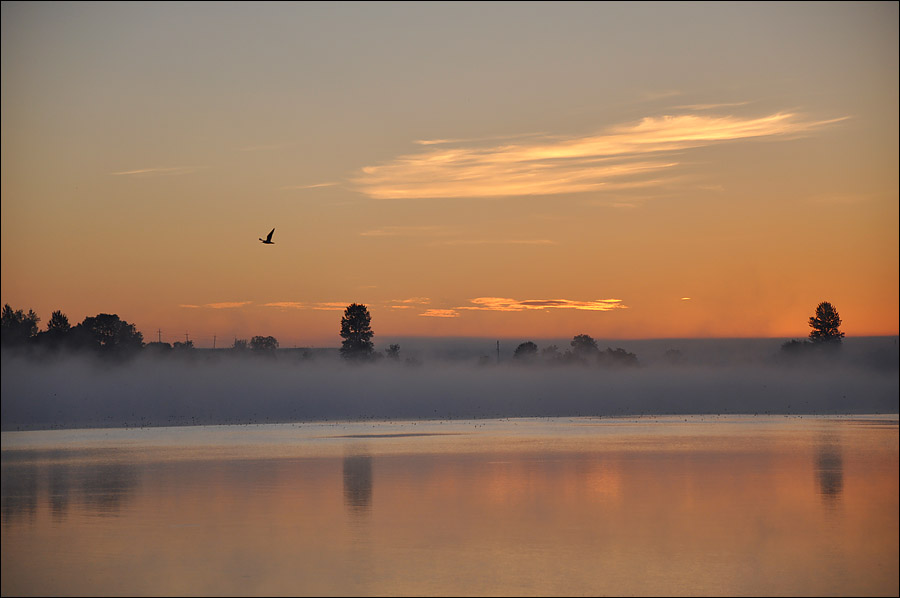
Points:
[[17, 327], [618, 357], [240, 344], [551, 354], [393, 352], [58, 332], [108, 334], [825, 324], [263, 343], [59, 323], [584, 348], [357, 333], [526, 351], [673, 356], [158, 348]]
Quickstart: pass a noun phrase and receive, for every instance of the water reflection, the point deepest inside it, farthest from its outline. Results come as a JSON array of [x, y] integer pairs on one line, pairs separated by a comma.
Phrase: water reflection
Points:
[[100, 488], [20, 493], [830, 469], [721, 508], [358, 483], [104, 488], [60, 484]]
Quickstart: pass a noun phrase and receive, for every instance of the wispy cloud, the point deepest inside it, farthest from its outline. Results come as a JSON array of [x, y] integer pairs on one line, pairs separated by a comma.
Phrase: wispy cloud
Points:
[[506, 304], [406, 231], [228, 304], [313, 186], [711, 106], [842, 199], [221, 305], [169, 171], [440, 313], [331, 305], [497, 242], [477, 139], [286, 305], [265, 147], [410, 303], [651, 96], [326, 306], [629, 154]]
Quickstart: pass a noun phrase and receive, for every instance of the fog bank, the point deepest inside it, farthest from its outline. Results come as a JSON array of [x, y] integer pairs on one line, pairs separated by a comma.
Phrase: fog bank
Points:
[[79, 392]]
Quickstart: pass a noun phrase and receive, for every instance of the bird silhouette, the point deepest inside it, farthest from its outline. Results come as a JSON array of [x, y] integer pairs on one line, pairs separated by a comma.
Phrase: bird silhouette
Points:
[[268, 240]]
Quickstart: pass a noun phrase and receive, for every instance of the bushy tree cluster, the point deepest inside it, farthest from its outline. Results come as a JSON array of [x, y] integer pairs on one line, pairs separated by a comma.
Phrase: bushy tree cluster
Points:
[[584, 351], [105, 334]]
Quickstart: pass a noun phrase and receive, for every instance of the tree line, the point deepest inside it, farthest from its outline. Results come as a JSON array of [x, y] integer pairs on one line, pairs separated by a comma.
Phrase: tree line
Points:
[[584, 351], [104, 334], [107, 334]]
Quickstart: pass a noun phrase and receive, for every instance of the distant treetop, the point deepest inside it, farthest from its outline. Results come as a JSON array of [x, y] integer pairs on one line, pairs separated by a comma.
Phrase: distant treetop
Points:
[[825, 324], [357, 333]]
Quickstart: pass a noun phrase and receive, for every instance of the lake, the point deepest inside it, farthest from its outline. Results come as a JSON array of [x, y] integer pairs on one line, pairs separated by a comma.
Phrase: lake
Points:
[[686, 505]]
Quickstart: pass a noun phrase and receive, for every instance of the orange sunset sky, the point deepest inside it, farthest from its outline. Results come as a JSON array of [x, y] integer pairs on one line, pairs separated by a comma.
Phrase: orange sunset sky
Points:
[[504, 170]]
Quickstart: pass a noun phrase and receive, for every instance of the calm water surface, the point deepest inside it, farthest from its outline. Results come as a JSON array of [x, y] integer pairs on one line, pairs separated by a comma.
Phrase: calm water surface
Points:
[[648, 506]]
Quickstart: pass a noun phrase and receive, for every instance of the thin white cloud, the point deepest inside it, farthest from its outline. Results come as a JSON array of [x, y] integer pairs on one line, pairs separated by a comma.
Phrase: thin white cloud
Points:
[[228, 304], [406, 231], [660, 95], [414, 300], [220, 305], [478, 139], [331, 306], [498, 242], [842, 199], [286, 304], [711, 106], [506, 304], [629, 154], [141, 172], [685, 298], [410, 303], [440, 313], [313, 186], [264, 147], [326, 306]]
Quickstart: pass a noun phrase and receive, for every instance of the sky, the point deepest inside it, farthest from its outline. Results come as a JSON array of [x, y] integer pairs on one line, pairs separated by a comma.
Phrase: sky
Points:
[[505, 170]]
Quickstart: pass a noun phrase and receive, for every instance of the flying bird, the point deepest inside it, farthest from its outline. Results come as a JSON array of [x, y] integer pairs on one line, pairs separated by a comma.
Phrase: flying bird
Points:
[[268, 240]]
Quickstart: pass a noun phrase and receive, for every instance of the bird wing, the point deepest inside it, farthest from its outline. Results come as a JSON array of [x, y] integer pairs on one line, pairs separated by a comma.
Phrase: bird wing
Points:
[[269, 238]]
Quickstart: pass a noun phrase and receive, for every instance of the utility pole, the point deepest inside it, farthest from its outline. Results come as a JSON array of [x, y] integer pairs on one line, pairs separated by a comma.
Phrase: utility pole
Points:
[[214, 341], [498, 352], [158, 335]]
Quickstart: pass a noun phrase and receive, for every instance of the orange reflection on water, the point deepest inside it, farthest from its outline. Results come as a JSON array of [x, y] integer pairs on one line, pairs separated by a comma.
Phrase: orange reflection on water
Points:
[[734, 507]]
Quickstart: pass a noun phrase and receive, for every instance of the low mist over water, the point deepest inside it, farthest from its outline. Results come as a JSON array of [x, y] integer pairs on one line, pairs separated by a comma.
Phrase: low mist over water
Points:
[[437, 379]]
